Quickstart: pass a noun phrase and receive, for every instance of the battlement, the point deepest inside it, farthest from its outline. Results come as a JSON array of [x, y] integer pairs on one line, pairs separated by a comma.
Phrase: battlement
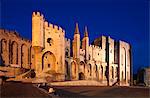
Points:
[[67, 42], [96, 47], [47, 24], [37, 14], [67, 39], [12, 33], [55, 27]]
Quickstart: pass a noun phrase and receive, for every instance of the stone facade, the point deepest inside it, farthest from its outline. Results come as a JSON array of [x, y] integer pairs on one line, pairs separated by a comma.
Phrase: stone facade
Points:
[[48, 42], [143, 76], [52, 55], [15, 49]]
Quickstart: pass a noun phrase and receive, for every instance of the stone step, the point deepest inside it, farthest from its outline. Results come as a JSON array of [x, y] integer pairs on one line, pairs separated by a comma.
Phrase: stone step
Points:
[[79, 83]]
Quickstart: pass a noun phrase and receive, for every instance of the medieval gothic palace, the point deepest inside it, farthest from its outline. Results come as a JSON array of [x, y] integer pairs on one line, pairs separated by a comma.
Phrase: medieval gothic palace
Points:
[[53, 56]]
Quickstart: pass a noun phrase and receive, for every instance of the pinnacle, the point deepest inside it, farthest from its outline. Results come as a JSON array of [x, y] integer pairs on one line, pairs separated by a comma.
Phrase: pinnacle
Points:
[[76, 29], [86, 32]]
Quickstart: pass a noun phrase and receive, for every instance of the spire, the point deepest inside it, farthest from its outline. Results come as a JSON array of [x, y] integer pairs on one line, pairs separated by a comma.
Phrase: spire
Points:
[[85, 32], [76, 29]]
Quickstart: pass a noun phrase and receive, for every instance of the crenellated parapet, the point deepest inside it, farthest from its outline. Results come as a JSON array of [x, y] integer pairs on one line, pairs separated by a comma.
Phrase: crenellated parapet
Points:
[[41, 27], [37, 14], [8, 32], [67, 41], [54, 27], [12, 34], [95, 47]]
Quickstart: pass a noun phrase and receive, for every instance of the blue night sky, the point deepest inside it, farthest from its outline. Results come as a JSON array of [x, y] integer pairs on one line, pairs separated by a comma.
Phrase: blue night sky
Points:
[[121, 19]]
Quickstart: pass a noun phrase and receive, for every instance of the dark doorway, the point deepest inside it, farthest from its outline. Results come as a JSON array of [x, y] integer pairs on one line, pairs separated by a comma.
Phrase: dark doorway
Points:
[[81, 76]]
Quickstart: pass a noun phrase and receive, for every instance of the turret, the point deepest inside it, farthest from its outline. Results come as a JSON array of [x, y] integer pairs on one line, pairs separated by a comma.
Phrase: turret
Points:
[[85, 44], [37, 29], [37, 40], [76, 43]]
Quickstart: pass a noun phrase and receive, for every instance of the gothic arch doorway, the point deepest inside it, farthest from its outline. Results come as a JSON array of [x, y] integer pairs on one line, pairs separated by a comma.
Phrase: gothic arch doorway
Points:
[[67, 73], [90, 69], [81, 76], [73, 70], [82, 67], [48, 61]]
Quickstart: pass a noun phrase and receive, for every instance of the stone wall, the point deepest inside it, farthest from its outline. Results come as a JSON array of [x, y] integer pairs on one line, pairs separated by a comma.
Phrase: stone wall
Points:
[[15, 49]]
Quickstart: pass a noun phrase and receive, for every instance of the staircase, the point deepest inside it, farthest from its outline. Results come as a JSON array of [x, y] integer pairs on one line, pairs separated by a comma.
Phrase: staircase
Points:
[[21, 76]]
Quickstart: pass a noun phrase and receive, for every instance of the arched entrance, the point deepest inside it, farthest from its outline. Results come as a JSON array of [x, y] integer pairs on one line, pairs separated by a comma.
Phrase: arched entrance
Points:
[[96, 72], [82, 67], [73, 70], [90, 70], [48, 61], [67, 73], [81, 76]]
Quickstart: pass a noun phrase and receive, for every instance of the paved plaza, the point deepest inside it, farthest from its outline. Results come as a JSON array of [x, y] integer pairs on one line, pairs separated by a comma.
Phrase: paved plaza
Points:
[[18, 89]]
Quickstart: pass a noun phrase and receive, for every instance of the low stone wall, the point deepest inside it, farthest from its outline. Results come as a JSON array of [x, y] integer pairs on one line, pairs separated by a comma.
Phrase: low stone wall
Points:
[[12, 71], [79, 83]]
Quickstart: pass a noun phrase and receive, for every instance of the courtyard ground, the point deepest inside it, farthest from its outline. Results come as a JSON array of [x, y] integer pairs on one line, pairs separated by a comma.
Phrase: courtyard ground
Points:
[[18, 89], [104, 92]]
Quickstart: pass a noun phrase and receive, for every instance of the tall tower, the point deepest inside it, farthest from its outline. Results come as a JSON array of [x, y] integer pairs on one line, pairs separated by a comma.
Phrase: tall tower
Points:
[[85, 44], [37, 39], [76, 43], [37, 29]]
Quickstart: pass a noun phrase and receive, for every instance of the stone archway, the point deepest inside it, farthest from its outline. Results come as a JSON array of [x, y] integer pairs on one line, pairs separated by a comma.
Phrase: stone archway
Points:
[[24, 56], [67, 73], [96, 72], [73, 70], [3, 51], [48, 61], [81, 76], [90, 70], [82, 67], [3, 45], [14, 53]]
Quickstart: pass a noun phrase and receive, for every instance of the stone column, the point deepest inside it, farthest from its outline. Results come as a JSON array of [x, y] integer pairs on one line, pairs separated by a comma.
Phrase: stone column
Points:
[[37, 60]]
